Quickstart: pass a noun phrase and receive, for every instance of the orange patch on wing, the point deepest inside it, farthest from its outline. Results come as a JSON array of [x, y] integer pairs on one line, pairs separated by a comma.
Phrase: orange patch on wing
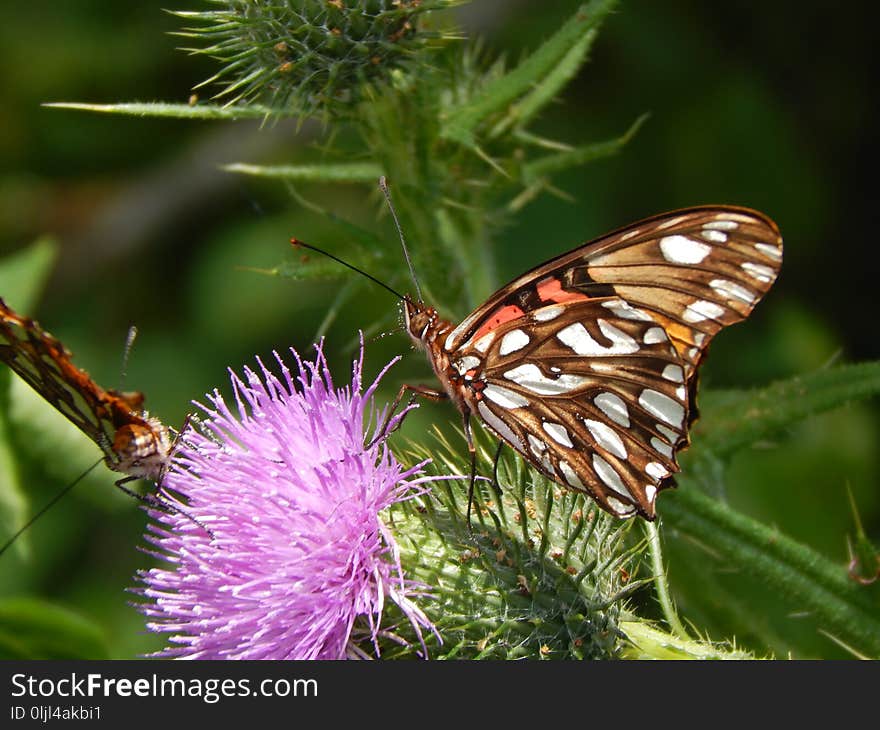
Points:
[[499, 317], [550, 290]]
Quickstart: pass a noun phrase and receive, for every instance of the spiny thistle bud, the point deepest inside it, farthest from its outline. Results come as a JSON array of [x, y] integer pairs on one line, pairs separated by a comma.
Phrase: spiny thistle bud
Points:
[[302, 56]]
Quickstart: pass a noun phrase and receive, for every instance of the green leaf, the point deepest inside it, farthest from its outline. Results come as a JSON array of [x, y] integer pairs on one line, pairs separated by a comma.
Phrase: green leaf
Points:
[[353, 172], [734, 419], [33, 629], [550, 164], [522, 112], [177, 111], [843, 608], [462, 122], [23, 274]]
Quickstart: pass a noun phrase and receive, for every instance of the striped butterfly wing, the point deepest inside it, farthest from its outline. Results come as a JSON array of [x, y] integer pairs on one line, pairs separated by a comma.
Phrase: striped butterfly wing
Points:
[[586, 364], [132, 442], [695, 270], [593, 396]]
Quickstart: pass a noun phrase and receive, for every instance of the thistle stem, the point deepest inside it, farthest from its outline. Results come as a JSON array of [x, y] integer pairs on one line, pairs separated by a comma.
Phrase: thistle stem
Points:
[[661, 585]]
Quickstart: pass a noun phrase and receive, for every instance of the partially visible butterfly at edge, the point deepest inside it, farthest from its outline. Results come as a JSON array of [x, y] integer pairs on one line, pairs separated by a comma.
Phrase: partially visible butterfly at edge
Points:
[[133, 443], [587, 364]]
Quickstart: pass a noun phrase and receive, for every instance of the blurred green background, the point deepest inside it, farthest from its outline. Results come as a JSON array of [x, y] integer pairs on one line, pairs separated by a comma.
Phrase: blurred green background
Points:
[[764, 106]]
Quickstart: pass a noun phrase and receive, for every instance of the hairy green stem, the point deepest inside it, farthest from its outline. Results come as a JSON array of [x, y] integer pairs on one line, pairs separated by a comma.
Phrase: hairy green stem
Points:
[[660, 583]]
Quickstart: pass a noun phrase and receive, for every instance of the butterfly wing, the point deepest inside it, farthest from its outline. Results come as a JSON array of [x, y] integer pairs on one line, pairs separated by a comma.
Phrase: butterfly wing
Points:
[[113, 420], [695, 270], [587, 362], [593, 395]]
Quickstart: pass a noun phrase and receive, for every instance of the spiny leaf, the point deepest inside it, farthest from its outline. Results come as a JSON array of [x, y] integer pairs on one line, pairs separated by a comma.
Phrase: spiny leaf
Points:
[[522, 112], [177, 111], [461, 123], [550, 164], [352, 172]]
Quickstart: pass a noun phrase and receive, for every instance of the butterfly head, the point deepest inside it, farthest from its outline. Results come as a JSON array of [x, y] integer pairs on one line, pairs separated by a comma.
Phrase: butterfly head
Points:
[[419, 320]]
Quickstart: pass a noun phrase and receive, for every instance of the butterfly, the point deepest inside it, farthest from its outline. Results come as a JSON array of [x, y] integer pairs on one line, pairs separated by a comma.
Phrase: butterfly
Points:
[[587, 364], [133, 443]]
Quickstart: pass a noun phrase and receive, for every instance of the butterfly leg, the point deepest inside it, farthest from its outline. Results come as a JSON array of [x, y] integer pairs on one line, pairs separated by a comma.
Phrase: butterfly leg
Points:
[[416, 390], [496, 487], [473, 452], [155, 502]]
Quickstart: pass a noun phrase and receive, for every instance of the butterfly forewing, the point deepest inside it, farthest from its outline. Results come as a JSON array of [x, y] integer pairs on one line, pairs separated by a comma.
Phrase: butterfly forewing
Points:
[[133, 443], [695, 270], [585, 365]]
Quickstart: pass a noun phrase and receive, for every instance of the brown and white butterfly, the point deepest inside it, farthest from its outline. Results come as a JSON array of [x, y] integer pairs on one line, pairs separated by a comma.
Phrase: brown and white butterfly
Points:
[[587, 364], [133, 443]]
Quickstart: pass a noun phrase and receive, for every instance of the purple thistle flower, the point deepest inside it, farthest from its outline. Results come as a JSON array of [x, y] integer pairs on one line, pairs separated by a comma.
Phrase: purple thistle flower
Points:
[[292, 498]]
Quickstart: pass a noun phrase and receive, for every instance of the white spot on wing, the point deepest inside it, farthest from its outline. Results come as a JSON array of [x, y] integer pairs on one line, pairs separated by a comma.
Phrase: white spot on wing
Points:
[[570, 475], [673, 373], [714, 236], [610, 478], [700, 310], [722, 223], [671, 436], [671, 222], [759, 272], [732, 290], [504, 397], [499, 426], [770, 250], [468, 362], [656, 471], [606, 437], [450, 341], [662, 406], [530, 376], [558, 433], [650, 493], [661, 447], [537, 446], [655, 336], [513, 341], [482, 345], [625, 310], [581, 342], [683, 250], [620, 509], [613, 407], [545, 314]]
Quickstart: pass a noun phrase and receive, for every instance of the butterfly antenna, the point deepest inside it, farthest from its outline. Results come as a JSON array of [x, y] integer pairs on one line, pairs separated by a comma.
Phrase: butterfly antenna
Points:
[[47, 507], [383, 186], [126, 352], [296, 243]]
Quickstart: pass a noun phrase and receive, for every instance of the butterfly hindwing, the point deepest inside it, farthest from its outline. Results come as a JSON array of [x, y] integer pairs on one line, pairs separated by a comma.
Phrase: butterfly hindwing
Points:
[[591, 394]]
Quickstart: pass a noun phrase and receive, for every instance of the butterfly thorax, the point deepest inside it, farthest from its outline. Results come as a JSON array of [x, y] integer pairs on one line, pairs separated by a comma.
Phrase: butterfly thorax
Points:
[[461, 377], [141, 449]]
